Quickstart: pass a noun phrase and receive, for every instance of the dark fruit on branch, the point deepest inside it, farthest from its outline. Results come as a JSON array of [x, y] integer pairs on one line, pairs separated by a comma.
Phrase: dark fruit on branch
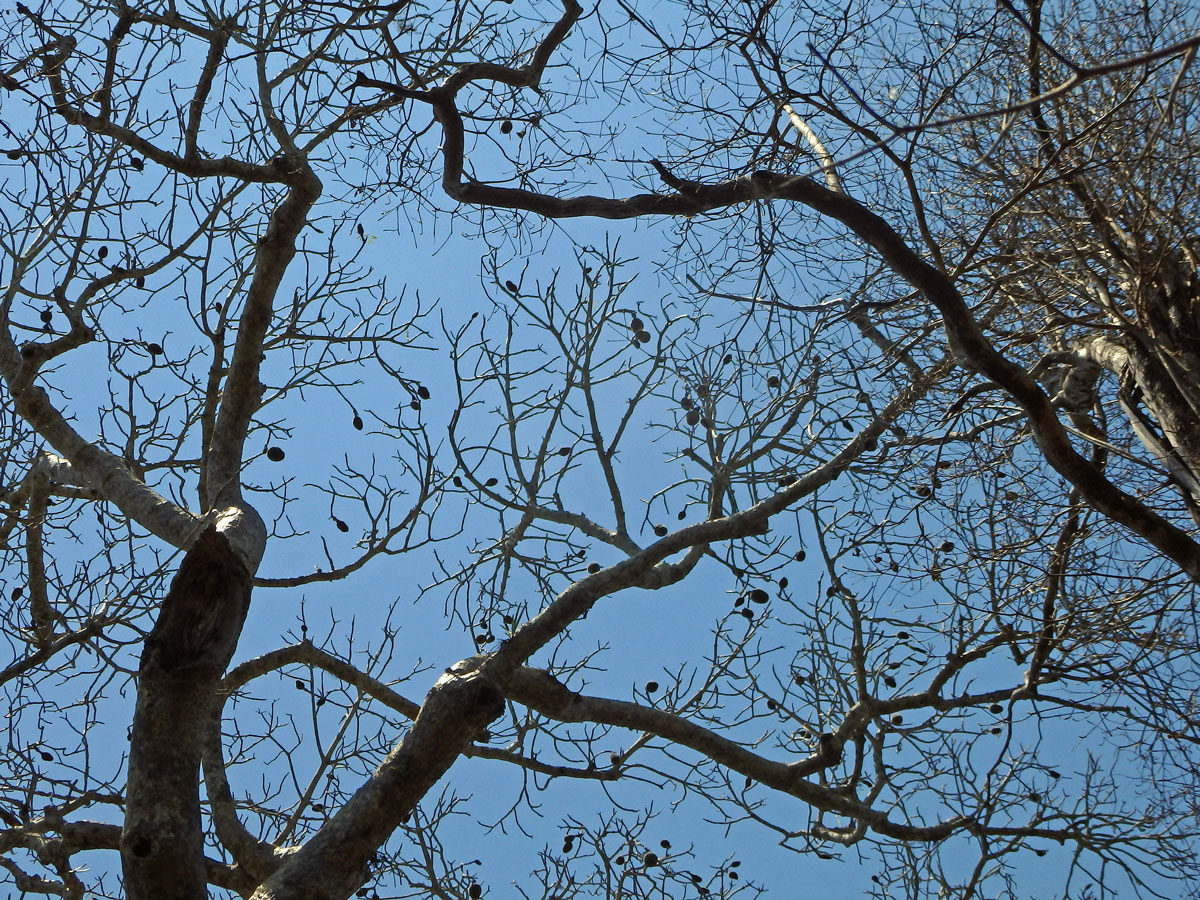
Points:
[[772, 381], [996, 708], [758, 595], [155, 349], [593, 568], [800, 554], [505, 126], [660, 530], [693, 417], [474, 891], [889, 681], [564, 451], [511, 286], [651, 687], [357, 422], [341, 526], [422, 392], [275, 454], [636, 324], [650, 859], [47, 315], [491, 482]]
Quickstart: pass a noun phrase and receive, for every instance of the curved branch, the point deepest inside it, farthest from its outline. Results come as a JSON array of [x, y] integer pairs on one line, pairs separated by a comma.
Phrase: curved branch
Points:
[[541, 691]]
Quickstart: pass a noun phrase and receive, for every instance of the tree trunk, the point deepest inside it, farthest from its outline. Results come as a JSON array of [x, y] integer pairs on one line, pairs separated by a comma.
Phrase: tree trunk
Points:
[[162, 844]]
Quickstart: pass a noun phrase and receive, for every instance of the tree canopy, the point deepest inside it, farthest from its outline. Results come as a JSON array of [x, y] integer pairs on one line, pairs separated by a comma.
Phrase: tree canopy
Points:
[[775, 418]]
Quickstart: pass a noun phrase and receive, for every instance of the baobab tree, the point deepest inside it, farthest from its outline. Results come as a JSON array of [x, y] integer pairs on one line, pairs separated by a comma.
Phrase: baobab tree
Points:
[[873, 470]]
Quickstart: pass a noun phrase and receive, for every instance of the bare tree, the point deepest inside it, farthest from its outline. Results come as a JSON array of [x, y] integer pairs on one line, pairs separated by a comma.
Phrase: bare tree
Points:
[[894, 455]]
